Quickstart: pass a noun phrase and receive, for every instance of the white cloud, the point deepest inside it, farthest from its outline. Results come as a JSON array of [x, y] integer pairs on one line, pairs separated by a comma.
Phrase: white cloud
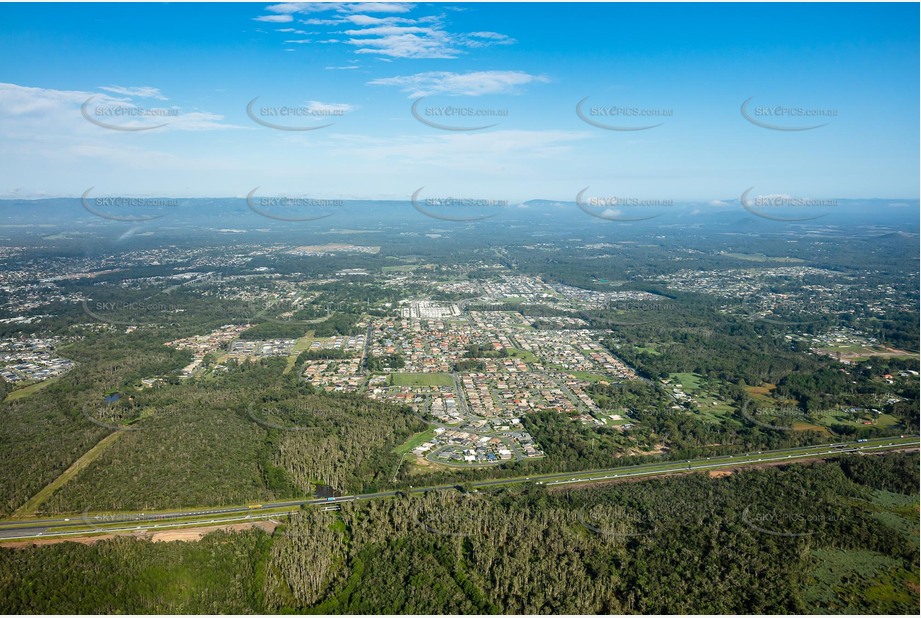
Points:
[[475, 83], [319, 107], [275, 19], [46, 112], [488, 35], [377, 7], [435, 45], [390, 31], [486, 39], [144, 92], [390, 36], [321, 22], [348, 68], [288, 8], [291, 8], [368, 20]]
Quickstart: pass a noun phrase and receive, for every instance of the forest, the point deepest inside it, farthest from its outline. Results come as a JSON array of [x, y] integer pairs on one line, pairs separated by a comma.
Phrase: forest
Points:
[[835, 536]]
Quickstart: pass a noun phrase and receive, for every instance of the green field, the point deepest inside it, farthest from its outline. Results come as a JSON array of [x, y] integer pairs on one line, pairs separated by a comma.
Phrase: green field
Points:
[[841, 417], [421, 379], [415, 440], [299, 346], [590, 377], [28, 390], [797, 426], [693, 385], [761, 393], [524, 355], [690, 382]]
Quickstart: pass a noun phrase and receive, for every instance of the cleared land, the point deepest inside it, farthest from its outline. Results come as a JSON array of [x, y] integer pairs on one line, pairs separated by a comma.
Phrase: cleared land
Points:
[[414, 441], [25, 391], [421, 379]]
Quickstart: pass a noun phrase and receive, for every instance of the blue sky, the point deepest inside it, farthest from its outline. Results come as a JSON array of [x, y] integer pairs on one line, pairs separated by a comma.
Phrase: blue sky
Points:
[[362, 66]]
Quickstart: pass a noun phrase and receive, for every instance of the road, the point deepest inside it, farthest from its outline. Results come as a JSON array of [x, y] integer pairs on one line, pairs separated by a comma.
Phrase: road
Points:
[[97, 523]]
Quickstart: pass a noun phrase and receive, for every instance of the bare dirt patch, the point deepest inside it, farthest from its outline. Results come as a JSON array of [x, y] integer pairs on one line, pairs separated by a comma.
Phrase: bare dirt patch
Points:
[[196, 534], [183, 534]]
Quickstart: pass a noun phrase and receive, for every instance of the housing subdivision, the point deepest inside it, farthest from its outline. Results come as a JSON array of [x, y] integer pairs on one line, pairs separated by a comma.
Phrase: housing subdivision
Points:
[[202, 345], [342, 372], [30, 360], [471, 371], [474, 374], [267, 347]]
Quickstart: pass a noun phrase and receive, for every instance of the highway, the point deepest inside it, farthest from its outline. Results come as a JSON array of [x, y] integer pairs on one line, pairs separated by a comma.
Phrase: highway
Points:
[[88, 523]]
